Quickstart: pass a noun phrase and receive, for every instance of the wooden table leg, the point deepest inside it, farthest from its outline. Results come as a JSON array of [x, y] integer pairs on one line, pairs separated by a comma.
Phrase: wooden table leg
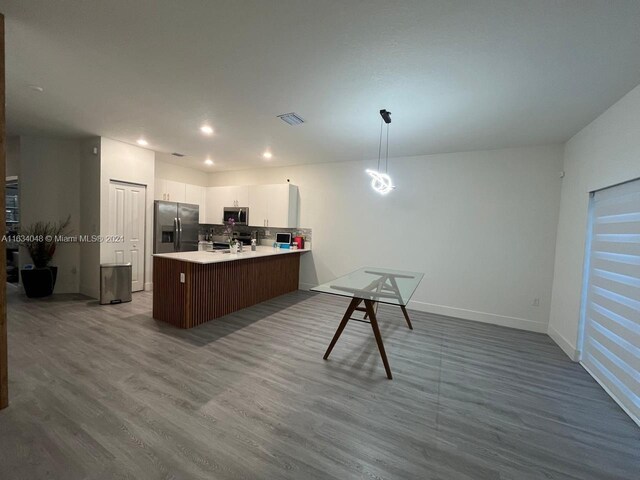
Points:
[[376, 333], [352, 306], [366, 315], [406, 316]]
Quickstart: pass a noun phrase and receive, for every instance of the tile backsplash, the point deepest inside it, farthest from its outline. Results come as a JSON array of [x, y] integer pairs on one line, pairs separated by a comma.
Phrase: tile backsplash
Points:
[[266, 233]]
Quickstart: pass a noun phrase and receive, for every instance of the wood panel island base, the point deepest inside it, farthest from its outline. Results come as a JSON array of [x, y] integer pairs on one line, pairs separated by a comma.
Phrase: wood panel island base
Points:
[[191, 288]]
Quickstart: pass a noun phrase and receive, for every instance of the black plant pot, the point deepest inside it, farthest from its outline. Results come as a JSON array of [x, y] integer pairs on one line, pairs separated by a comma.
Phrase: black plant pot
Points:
[[39, 282]]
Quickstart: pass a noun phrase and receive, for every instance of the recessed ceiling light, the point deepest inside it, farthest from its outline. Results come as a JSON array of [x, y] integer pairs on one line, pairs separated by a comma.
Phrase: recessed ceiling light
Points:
[[267, 155], [36, 88], [206, 129], [142, 142], [208, 161]]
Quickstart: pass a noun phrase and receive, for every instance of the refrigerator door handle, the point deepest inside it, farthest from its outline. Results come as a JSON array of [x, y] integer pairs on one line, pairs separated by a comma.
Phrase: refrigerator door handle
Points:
[[175, 234], [179, 234]]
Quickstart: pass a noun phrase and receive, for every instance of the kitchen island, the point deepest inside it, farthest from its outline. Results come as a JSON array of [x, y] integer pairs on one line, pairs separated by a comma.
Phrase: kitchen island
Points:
[[191, 288]]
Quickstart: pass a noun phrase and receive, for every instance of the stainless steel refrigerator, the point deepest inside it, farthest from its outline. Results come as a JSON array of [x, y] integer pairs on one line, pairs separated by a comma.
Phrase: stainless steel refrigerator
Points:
[[175, 227]]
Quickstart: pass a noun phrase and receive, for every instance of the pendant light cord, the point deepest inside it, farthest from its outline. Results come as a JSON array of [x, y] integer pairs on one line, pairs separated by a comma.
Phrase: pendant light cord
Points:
[[386, 162], [380, 145]]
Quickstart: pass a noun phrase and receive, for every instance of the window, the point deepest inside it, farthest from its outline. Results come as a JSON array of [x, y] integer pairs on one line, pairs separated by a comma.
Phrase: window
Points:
[[610, 334]]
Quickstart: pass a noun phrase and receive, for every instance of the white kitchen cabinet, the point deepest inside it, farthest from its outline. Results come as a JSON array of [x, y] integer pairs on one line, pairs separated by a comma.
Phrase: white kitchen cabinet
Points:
[[273, 205], [159, 190], [258, 198], [169, 191], [238, 196], [216, 197], [283, 206], [197, 195], [219, 197], [175, 191], [172, 191]]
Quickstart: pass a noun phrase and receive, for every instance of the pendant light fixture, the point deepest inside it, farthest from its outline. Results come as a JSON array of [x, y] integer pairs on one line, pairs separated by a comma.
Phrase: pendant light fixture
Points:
[[381, 181]]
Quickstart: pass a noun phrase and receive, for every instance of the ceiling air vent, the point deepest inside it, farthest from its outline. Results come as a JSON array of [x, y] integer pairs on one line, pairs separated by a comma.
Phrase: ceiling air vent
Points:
[[176, 154], [291, 118]]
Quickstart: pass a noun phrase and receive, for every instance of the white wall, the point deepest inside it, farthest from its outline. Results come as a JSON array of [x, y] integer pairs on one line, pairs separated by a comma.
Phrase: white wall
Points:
[[90, 216], [604, 153], [50, 191], [481, 225], [127, 163], [177, 173]]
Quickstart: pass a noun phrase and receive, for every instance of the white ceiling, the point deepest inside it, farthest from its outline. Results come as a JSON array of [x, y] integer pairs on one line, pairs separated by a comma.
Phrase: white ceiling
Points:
[[456, 75]]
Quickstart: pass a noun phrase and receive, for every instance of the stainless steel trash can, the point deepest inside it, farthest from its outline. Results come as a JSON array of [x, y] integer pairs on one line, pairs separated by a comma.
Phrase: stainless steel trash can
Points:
[[115, 283]]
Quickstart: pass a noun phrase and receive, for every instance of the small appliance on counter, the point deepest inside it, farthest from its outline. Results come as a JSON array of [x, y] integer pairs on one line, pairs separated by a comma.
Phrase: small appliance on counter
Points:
[[299, 241], [205, 246], [220, 246], [283, 240], [244, 238]]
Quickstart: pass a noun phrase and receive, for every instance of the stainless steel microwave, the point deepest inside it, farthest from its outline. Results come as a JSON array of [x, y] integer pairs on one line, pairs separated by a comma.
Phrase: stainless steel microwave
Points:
[[240, 215]]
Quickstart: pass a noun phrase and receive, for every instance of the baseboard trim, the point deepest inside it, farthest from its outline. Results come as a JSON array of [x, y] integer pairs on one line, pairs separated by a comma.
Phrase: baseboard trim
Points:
[[572, 352], [148, 286], [494, 319], [476, 316]]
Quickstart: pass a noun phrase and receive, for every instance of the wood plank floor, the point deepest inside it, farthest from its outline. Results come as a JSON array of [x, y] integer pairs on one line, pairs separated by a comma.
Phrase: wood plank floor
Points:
[[102, 392]]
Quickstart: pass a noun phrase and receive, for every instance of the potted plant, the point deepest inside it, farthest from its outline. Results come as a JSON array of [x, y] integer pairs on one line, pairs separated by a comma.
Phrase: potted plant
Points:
[[229, 230], [39, 239]]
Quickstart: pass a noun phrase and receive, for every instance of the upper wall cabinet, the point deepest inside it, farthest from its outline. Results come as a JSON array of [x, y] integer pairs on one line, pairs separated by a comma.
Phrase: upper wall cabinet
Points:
[[220, 197], [269, 205], [170, 191], [273, 205], [197, 195], [159, 190]]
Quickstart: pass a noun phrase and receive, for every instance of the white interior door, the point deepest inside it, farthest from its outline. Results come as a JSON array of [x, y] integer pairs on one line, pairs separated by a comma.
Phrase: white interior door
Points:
[[127, 221]]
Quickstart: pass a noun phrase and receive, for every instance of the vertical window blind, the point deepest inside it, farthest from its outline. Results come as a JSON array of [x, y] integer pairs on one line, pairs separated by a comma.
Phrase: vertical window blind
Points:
[[611, 301]]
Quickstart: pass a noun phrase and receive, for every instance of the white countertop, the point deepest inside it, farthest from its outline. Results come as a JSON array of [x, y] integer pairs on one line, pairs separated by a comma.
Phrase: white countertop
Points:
[[218, 256]]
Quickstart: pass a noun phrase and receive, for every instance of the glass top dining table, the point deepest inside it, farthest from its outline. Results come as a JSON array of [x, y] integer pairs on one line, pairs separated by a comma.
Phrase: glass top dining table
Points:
[[394, 287]]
